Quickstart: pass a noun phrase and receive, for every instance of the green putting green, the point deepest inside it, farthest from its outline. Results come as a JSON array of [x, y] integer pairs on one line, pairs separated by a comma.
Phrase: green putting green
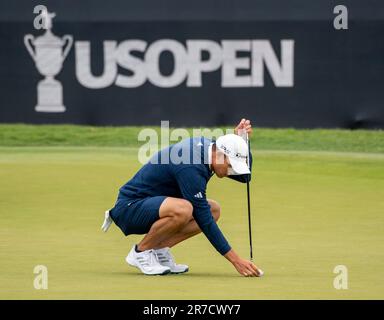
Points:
[[311, 211]]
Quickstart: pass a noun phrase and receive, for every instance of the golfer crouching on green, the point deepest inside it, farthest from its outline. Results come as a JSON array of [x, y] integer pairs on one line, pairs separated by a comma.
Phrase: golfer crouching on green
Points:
[[166, 201]]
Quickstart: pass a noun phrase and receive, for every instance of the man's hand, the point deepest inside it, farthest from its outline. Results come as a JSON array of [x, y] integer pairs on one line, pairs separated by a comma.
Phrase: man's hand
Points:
[[247, 268], [244, 125], [244, 267]]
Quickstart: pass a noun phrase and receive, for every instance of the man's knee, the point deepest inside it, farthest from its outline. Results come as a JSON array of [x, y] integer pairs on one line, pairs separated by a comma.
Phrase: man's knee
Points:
[[182, 212], [215, 209]]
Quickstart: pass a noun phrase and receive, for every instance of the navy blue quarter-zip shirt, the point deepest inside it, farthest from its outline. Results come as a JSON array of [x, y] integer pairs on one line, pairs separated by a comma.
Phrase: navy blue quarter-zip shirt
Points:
[[181, 171]]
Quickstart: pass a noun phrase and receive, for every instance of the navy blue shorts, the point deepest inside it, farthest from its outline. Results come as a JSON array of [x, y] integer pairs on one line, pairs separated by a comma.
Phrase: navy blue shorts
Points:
[[137, 216]]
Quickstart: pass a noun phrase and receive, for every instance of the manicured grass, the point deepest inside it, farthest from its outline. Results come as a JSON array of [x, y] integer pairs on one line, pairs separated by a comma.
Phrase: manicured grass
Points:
[[311, 212], [263, 139]]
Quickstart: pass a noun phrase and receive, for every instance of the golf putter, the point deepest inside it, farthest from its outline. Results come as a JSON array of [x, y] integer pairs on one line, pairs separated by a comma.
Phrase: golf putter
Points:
[[245, 136], [249, 200]]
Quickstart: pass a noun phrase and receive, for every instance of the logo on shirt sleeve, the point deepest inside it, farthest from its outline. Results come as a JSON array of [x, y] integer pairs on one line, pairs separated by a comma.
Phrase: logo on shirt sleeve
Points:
[[198, 195]]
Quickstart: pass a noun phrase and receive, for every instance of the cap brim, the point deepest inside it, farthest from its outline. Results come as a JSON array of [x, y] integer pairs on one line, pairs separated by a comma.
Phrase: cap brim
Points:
[[239, 166]]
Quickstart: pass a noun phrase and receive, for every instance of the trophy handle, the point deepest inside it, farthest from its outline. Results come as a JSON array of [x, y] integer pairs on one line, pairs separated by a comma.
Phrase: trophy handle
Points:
[[69, 40], [27, 39]]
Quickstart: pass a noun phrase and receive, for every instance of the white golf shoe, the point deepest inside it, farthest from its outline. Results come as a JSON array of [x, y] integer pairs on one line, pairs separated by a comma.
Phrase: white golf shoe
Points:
[[166, 259], [146, 262]]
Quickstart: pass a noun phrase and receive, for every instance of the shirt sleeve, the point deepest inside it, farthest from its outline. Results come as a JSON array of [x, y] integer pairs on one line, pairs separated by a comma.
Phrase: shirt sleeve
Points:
[[193, 186], [243, 177]]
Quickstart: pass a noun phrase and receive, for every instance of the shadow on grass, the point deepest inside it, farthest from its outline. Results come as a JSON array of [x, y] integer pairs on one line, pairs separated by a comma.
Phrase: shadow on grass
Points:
[[194, 275]]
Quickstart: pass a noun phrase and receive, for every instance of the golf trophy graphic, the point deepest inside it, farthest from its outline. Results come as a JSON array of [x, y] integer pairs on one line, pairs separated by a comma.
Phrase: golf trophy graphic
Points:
[[49, 55]]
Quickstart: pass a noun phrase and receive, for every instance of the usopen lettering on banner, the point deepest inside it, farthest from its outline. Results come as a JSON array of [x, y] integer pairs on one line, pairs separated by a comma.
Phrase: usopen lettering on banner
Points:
[[188, 64]]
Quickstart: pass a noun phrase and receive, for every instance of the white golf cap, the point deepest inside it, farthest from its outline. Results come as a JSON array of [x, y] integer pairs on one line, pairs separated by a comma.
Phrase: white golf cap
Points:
[[236, 149]]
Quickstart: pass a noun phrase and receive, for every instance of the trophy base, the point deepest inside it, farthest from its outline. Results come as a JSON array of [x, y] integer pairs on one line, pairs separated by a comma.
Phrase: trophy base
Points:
[[40, 108], [49, 96]]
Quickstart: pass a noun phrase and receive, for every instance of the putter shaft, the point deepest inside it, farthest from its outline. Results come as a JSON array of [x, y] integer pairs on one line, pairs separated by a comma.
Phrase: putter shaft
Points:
[[249, 202]]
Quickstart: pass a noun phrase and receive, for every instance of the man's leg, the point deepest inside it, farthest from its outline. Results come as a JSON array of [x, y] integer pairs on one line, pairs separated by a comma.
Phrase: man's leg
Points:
[[175, 214], [190, 229]]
